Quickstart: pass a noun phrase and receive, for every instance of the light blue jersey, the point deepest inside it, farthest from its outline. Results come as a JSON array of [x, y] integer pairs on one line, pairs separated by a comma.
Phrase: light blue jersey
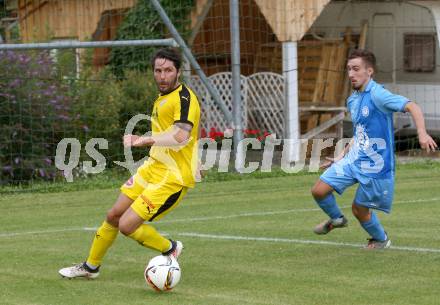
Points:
[[370, 161], [373, 132]]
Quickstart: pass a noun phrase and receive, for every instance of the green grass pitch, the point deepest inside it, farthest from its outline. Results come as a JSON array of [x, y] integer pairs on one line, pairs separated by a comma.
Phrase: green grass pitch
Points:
[[247, 241]]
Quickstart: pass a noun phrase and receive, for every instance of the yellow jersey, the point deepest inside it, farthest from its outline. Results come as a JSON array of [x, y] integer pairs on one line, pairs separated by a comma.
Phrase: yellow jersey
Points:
[[174, 164]]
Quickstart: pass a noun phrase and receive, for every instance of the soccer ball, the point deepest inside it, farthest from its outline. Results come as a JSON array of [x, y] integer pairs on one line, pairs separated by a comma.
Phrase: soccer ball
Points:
[[162, 273]]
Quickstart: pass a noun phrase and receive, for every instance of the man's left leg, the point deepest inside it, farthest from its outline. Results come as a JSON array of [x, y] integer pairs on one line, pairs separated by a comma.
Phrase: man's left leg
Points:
[[370, 223], [152, 204], [373, 194], [132, 225]]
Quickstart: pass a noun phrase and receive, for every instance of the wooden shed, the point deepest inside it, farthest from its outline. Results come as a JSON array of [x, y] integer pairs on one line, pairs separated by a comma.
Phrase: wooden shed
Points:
[[79, 20]]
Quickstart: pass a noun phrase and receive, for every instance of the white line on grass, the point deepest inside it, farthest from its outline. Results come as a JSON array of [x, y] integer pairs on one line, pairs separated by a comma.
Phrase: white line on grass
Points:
[[207, 218], [278, 212], [297, 241], [12, 234], [234, 237], [241, 215], [417, 200]]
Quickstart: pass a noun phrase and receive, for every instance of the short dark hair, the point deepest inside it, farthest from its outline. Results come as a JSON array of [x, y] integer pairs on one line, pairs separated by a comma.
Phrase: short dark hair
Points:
[[168, 53], [367, 56]]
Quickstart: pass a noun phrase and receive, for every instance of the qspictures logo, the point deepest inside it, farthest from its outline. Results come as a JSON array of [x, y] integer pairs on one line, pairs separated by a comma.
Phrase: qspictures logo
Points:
[[215, 153]]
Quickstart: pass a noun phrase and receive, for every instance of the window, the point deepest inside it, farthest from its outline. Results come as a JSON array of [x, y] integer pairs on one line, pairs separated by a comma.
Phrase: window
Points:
[[419, 52]]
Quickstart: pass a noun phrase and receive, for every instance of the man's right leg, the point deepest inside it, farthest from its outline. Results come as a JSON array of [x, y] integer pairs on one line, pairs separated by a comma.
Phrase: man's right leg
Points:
[[107, 232], [104, 238], [336, 178], [323, 195]]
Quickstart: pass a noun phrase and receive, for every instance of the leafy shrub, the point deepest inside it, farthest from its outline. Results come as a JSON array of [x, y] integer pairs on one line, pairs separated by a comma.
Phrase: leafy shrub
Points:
[[138, 92], [97, 108]]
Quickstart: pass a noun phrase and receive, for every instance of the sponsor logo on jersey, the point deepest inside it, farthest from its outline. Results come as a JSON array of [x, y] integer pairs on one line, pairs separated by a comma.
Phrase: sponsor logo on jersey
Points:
[[365, 111], [363, 141], [162, 102]]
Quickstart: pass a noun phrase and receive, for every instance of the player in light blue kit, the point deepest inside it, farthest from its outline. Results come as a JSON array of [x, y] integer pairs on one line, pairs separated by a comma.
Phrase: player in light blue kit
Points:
[[369, 158]]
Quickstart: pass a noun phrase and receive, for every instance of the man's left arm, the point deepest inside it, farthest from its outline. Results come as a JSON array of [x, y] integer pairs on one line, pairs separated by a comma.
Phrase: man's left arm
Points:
[[426, 142]]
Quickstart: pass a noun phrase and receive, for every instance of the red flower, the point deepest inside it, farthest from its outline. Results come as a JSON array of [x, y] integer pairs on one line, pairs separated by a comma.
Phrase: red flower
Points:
[[212, 133]]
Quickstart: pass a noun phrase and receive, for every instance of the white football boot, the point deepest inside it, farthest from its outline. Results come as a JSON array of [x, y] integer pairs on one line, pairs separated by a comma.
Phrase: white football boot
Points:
[[79, 270]]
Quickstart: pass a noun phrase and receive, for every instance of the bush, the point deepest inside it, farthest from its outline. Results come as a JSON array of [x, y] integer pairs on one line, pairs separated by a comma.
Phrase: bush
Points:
[[104, 105], [39, 107], [34, 113]]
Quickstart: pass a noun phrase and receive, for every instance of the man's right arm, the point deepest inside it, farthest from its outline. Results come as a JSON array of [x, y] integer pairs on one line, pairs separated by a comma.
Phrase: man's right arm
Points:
[[330, 161]]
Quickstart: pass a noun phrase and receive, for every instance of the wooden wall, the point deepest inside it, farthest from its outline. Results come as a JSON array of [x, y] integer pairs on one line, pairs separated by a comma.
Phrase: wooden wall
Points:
[[263, 25], [41, 20], [291, 19]]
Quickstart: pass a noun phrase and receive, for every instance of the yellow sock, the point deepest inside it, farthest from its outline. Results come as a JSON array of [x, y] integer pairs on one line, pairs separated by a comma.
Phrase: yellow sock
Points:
[[148, 237], [104, 238]]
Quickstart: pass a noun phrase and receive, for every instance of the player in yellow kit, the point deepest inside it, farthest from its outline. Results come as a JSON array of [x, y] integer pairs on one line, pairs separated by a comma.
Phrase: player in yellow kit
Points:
[[163, 180]]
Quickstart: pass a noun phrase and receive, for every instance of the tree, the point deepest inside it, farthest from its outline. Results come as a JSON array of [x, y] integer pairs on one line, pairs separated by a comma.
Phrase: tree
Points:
[[143, 22]]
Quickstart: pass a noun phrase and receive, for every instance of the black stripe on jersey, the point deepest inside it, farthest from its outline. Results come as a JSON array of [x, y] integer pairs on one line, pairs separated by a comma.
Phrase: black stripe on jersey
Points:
[[185, 101], [186, 122], [168, 204]]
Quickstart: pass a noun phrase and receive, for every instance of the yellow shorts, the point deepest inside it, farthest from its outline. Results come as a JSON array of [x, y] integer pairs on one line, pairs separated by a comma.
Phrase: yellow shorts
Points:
[[152, 201]]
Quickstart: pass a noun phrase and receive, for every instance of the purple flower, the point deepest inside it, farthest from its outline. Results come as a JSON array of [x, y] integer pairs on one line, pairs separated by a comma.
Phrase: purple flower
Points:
[[42, 172], [11, 55], [46, 92], [63, 117], [6, 95], [15, 83], [24, 59]]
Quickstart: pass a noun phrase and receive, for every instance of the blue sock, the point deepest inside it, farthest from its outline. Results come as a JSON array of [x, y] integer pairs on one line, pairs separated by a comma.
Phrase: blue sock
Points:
[[374, 228], [329, 206]]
